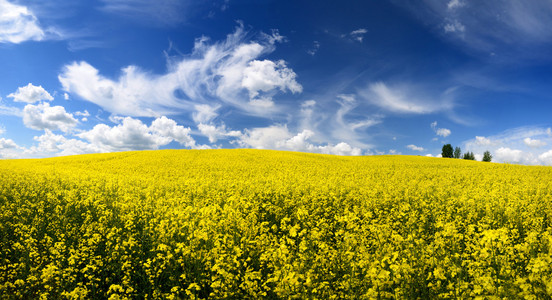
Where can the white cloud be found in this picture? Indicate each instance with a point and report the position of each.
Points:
(534, 143)
(135, 93)
(314, 49)
(30, 94)
(519, 145)
(308, 103)
(481, 140)
(264, 138)
(214, 133)
(348, 103)
(205, 113)
(549, 131)
(279, 138)
(364, 123)
(10, 111)
(546, 158)
(453, 4)
(60, 145)
(166, 127)
(7, 144)
(226, 72)
(262, 103)
(9, 149)
(43, 116)
(132, 134)
(358, 34)
(415, 148)
(506, 28)
(84, 113)
(400, 99)
(18, 24)
(444, 132)
(454, 26)
(306, 114)
(157, 13)
(267, 75)
(65, 96)
(346, 124)
(508, 155)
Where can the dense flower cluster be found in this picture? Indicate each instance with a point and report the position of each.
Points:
(267, 224)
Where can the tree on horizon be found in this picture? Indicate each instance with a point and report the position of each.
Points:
(447, 151)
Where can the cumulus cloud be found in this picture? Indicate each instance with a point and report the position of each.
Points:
(9, 149)
(533, 143)
(444, 132)
(415, 148)
(228, 72)
(83, 114)
(30, 94)
(43, 116)
(267, 75)
(279, 138)
(129, 134)
(132, 134)
(522, 145)
(7, 144)
(400, 99)
(546, 158)
(508, 155)
(50, 143)
(168, 128)
(18, 24)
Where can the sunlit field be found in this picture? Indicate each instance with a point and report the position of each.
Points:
(266, 224)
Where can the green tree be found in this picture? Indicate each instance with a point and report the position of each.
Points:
(469, 156)
(457, 152)
(487, 156)
(447, 151)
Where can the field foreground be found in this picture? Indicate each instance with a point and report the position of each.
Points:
(268, 224)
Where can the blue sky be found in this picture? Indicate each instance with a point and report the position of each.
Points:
(338, 77)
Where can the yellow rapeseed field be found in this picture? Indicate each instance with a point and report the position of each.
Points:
(232, 224)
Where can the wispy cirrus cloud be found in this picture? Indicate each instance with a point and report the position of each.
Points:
(501, 27)
(156, 13)
(229, 73)
(404, 98)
